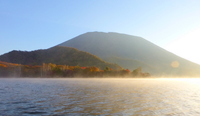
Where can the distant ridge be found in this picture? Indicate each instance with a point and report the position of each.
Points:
(132, 52)
(56, 55)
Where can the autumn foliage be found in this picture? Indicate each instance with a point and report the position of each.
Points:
(53, 70)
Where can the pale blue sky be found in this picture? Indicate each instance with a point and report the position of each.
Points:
(40, 24)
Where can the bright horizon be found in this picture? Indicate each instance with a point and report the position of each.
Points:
(30, 25)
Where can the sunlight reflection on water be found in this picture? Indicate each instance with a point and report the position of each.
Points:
(100, 96)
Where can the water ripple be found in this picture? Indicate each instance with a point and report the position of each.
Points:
(142, 97)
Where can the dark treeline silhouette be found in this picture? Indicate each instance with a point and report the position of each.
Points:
(53, 70)
(56, 55)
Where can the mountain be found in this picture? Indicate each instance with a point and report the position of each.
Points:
(56, 55)
(133, 52)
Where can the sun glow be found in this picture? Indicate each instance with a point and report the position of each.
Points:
(175, 64)
(187, 46)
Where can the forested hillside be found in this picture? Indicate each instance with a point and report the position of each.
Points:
(57, 55)
(53, 70)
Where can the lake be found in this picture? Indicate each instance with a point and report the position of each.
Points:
(98, 96)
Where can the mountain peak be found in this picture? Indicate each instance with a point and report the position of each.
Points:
(131, 52)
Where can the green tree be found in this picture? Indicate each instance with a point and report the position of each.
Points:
(137, 72)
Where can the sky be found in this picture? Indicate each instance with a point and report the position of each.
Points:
(40, 24)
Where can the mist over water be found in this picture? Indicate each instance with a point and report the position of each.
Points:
(80, 96)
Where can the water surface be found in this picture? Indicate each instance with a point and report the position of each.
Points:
(155, 97)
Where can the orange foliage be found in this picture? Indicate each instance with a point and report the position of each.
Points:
(36, 66)
(71, 67)
(9, 64)
(83, 67)
(127, 70)
(3, 65)
(94, 69)
(66, 71)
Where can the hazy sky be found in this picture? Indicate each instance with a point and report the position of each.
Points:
(40, 24)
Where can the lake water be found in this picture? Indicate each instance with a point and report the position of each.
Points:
(74, 97)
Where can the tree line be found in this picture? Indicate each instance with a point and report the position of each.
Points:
(53, 70)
